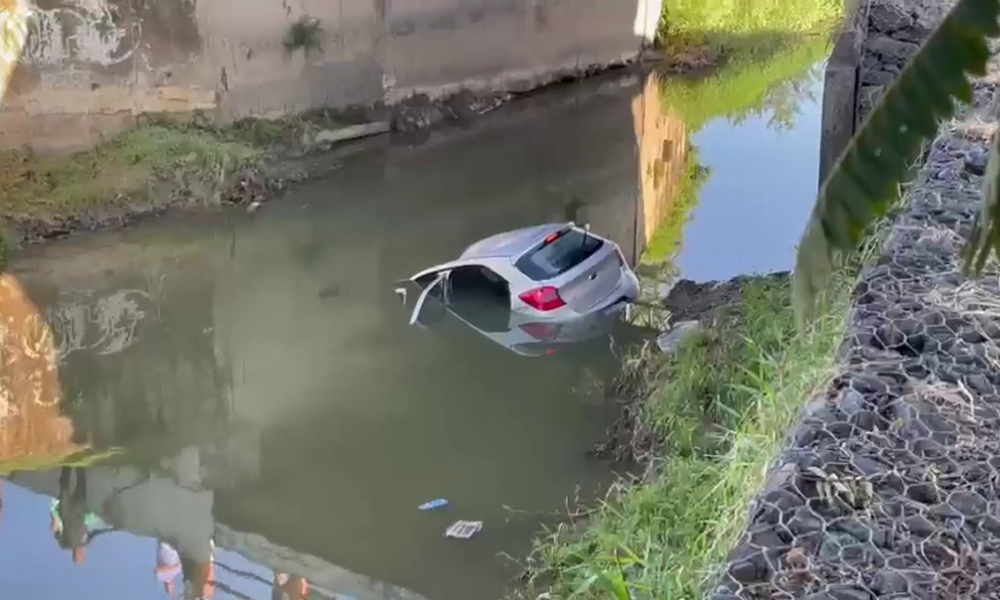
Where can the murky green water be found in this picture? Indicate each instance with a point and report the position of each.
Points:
(274, 412)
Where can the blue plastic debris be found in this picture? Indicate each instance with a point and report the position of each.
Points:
(438, 503)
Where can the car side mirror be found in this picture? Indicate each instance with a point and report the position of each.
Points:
(401, 292)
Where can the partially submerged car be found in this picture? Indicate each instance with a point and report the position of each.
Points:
(530, 289)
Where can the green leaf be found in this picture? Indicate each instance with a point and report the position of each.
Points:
(616, 585)
(859, 188)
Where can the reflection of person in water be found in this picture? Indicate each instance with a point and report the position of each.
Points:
(168, 566)
(72, 524)
(199, 577)
(289, 587)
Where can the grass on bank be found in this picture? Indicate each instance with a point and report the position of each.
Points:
(725, 26)
(118, 172)
(720, 409)
(82, 459)
(747, 84)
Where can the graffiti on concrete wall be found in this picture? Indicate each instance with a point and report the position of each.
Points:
(89, 32)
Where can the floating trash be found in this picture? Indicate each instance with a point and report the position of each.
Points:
(438, 503)
(464, 530)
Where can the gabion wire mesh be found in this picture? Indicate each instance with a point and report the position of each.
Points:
(890, 485)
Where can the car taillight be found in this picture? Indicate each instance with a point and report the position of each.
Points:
(543, 332)
(621, 257)
(545, 298)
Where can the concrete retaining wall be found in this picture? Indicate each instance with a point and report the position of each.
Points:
(88, 67)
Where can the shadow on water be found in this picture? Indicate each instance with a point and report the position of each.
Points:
(260, 378)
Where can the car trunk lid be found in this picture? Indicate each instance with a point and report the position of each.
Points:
(593, 280)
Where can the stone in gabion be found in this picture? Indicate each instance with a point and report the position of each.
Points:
(891, 487)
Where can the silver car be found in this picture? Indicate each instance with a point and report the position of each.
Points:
(530, 289)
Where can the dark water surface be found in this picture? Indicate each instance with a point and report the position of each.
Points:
(272, 411)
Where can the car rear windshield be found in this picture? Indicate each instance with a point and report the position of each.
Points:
(556, 257)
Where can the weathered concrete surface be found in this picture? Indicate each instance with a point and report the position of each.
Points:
(888, 488)
(102, 62)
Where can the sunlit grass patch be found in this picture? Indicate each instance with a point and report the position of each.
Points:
(118, 172)
(83, 458)
(724, 25)
(750, 82)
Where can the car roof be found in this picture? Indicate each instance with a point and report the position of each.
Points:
(511, 243)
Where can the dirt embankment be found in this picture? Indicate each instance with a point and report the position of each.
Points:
(714, 305)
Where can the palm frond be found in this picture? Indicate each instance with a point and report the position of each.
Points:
(859, 188)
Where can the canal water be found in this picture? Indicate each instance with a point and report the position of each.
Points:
(246, 390)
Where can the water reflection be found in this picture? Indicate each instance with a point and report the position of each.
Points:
(280, 422)
(32, 426)
(759, 202)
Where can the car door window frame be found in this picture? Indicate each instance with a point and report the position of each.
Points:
(446, 270)
(440, 279)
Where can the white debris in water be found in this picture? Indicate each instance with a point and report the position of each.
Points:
(464, 530)
(672, 339)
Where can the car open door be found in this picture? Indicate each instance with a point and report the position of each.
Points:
(437, 284)
(432, 302)
(447, 266)
(431, 288)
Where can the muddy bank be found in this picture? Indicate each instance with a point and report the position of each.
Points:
(696, 310)
(691, 301)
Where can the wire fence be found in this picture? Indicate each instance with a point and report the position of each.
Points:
(890, 485)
